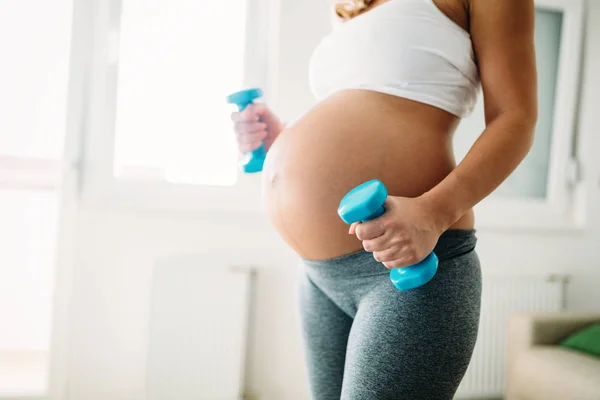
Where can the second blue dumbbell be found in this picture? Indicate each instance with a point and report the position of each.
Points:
(254, 160)
(364, 203)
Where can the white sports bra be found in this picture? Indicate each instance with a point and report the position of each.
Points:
(406, 48)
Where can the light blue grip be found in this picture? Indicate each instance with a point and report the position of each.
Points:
(365, 202)
(254, 160)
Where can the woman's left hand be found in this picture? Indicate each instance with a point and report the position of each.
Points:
(404, 235)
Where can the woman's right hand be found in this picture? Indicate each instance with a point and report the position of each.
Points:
(254, 126)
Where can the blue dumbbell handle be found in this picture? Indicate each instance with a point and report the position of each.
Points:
(378, 213)
(260, 152)
(255, 159)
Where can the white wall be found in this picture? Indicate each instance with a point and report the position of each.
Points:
(112, 293)
(26, 233)
(117, 249)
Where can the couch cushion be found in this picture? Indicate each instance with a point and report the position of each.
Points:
(554, 373)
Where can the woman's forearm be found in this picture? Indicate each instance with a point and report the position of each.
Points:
(492, 158)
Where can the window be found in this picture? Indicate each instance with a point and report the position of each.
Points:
(34, 76)
(159, 121)
(540, 193)
(177, 60)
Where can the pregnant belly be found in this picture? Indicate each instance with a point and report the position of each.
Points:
(343, 141)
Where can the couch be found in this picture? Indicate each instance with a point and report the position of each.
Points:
(537, 368)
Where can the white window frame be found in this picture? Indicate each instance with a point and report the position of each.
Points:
(100, 188)
(561, 208)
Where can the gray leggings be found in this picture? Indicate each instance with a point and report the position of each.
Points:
(365, 340)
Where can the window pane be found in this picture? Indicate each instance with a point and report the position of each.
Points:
(531, 177)
(178, 59)
(35, 42)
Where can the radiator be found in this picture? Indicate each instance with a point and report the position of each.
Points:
(501, 297)
(198, 328)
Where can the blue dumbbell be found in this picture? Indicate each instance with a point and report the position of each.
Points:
(254, 160)
(364, 203)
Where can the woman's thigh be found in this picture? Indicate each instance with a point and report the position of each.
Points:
(415, 344)
(325, 330)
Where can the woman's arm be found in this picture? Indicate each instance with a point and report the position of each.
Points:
(503, 38)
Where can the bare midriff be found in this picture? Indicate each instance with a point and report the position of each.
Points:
(349, 138)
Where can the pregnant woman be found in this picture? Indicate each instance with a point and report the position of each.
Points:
(392, 81)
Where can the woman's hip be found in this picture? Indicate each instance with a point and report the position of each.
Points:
(357, 280)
